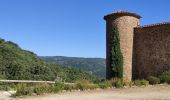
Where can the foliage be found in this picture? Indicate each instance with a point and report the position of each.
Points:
(166, 73)
(69, 87)
(4, 87)
(104, 85)
(85, 85)
(38, 89)
(58, 87)
(94, 66)
(128, 83)
(141, 83)
(116, 55)
(165, 77)
(41, 88)
(18, 64)
(23, 89)
(82, 85)
(1, 40)
(118, 83)
(153, 80)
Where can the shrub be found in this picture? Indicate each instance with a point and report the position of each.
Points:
(104, 85)
(118, 83)
(131, 84)
(41, 88)
(166, 73)
(23, 89)
(69, 87)
(57, 87)
(2, 40)
(165, 77)
(4, 87)
(141, 82)
(85, 84)
(12, 85)
(127, 83)
(98, 81)
(92, 86)
(81, 86)
(153, 80)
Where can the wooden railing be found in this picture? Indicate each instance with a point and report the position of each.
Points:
(29, 81)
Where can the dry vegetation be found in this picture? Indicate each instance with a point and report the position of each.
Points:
(156, 92)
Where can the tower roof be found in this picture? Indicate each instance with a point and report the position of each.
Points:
(122, 13)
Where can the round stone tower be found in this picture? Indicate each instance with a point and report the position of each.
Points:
(125, 23)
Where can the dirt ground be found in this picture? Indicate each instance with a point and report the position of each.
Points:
(158, 92)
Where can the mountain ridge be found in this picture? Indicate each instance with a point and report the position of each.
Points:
(95, 66)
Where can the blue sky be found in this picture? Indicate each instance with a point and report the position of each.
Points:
(69, 27)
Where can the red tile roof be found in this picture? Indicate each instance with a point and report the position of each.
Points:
(121, 12)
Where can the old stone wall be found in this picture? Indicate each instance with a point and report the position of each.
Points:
(151, 50)
(125, 26)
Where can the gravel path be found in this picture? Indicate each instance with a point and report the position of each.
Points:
(158, 92)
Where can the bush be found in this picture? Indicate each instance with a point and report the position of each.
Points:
(57, 87)
(166, 73)
(153, 80)
(4, 87)
(93, 86)
(98, 81)
(69, 87)
(23, 89)
(2, 40)
(81, 86)
(141, 82)
(104, 85)
(41, 88)
(127, 83)
(85, 85)
(165, 77)
(118, 83)
(7, 86)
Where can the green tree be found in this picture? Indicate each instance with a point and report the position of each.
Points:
(16, 63)
(116, 55)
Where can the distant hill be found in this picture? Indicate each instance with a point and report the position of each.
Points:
(19, 64)
(96, 66)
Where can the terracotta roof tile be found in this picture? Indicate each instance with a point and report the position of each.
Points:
(121, 12)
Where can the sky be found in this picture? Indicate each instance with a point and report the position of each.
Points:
(70, 27)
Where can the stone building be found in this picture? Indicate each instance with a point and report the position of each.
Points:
(145, 49)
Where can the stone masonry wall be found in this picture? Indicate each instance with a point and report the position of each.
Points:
(151, 50)
(125, 26)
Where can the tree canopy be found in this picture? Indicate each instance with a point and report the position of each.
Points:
(19, 64)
